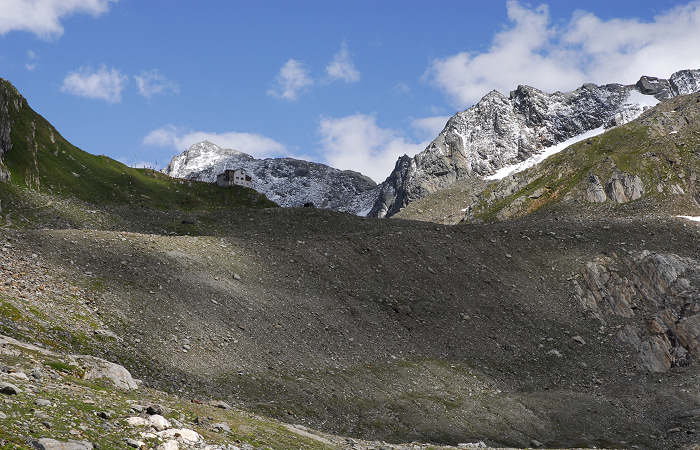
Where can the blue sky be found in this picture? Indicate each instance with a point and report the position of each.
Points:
(353, 84)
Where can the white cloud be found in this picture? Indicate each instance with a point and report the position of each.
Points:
(43, 17)
(178, 139)
(152, 83)
(357, 143)
(32, 58)
(342, 66)
(533, 51)
(292, 79)
(103, 84)
(430, 127)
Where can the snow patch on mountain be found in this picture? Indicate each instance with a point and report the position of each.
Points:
(546, 153)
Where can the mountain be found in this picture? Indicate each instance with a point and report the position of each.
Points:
(500, 131)
(650, 165)
(286, 181)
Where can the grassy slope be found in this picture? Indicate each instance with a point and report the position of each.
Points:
(42, 160)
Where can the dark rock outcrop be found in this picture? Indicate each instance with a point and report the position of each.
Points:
(623, 188)
(654, 301)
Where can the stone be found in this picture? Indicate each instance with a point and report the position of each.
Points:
(137, 422)
(9, 389)
(594, 190)
(220, 404)
(42, 402)
(221, 427)
(169, 445)
(155, 409)
(579, 339)
(158, 422)
(181, 434)
(623, 188)
(97, 368)
(135, 443)
(53, 444)
(555, 352)
(535, 443)
(19, 375)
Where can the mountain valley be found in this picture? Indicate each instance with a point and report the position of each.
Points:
(554, 311)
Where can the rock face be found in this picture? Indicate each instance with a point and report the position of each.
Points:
(663, 290)
(288, 182)
(594, 190)
(499, 131)
(6, 91)
(623, 188)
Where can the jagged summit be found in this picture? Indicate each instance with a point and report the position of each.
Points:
(200, 156)
(290, 182)
(499, 131)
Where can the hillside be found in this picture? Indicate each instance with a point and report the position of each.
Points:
(36, 159)
(552, 329)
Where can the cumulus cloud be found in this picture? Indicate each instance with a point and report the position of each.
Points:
(531, 50)
(342, 66)
(357, 143)
(103, 84)
(292, 79)
(179, 139)
(32, 58)
(43, 17)
(152, 83)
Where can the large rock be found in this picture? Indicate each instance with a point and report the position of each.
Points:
(9, 389)
(623, 187)
(99, 369)
(594, 190)
(658, 293)
(53, 444)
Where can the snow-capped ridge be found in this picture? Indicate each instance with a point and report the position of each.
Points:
(502, 132)
(287, 181)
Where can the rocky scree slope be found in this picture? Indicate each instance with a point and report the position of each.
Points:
(287, 181)
(499, 131)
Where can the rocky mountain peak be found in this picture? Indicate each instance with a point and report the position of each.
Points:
(198, 157)
(287, 181)
(500, 131)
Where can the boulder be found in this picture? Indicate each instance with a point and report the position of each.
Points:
(9, 389)
(96, 369)
(623, 187)
(594, 190)
(53, 444)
